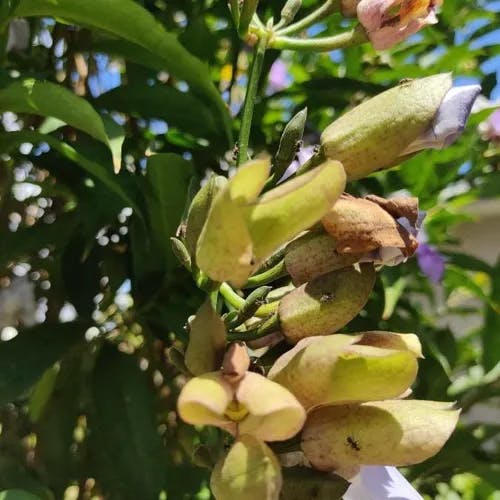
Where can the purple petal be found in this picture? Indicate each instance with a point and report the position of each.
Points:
(450, 119)
(278, 76)
(380, 483)
(494, 121)
(431, 262)
(302, 156)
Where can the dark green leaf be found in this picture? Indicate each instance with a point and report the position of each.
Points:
(124, 440)
(24, 359)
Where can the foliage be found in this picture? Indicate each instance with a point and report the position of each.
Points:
(157, 88)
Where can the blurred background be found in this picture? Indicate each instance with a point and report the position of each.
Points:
(91, 296)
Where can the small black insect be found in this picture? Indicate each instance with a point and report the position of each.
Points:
(353, 444)
(404, 81)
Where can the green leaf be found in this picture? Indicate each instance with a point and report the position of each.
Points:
(125, 443)
(142, 100)
(51, 100)
(128, 20)
(42, 392)
(392, 293)
(11, 140)
(24, 359)
(17, 495)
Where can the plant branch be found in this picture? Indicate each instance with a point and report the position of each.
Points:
(277, 271)
(253, 86)
(324, 44)
(329, 7)
(268, 326)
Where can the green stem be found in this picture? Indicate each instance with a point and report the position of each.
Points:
(265, 328)
(231, 297)
(253, 86)
(278, 271)
(329, 7)
(234, 300)
(325, 44)
(235, 11)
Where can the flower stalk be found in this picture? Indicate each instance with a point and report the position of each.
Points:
(322, 44)
(253, 87)
(329, 7)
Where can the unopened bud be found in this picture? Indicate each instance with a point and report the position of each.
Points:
(375, 134)
(289, 143)
(181, 253)
(393, 432)
(313, 255)
(289, 10)
(327, 303)
(198, 211)
(236, 362)
(249, 471)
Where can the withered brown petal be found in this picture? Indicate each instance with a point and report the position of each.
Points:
(360, 225)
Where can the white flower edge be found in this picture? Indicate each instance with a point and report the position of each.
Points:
(380, 483)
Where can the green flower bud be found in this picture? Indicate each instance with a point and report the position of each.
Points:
(290, 10)
(327, 303)
(181, 252)
(394, 432)
(348, 368)
(207, 340)
(198, 211)
(249, 471)
(289, 143)
(315, 254)
(243, 229)
(375, 134)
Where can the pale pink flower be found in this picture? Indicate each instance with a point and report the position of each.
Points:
(388, 22)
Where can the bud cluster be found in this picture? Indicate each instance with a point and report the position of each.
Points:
(311, 253)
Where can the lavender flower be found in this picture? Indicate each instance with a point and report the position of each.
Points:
(431, 262)
(450, 120)
(380, 483)
(278, 76)
(490, 129)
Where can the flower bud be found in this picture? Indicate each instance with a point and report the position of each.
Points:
(327, 303)
(181, 253)
(348, 368)
(198, 211)
(207, 340)
(315, 254)
(249, 471)
(375, 134)
(243, 229)
(290, 10)
(289, 143)
(397, 432)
